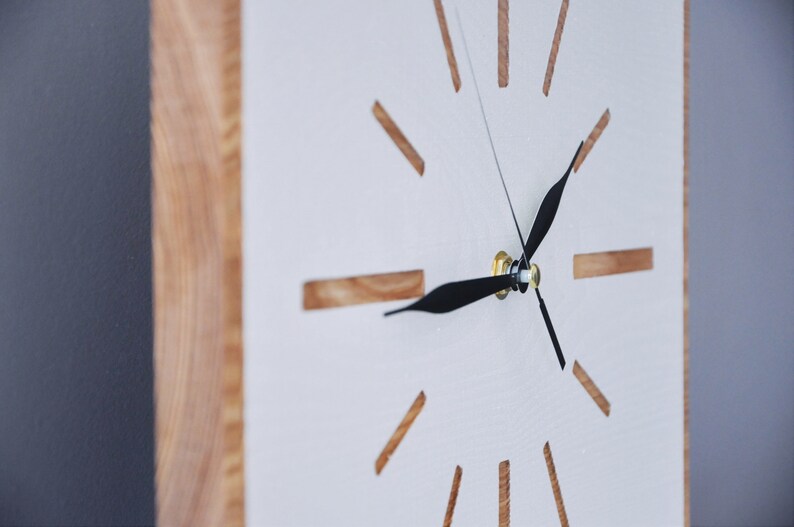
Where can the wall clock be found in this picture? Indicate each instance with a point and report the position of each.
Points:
(440, 162)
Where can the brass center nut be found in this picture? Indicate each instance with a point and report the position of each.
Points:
(501, 265)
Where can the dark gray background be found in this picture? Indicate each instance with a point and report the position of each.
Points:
(76, 415)
(76, 419)
(741, 263)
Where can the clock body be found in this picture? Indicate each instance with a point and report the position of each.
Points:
(353, 418)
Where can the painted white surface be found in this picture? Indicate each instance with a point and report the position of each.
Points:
(325, 188)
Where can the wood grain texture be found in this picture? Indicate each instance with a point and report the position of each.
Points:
(555, 485)
(686, 264)
(398, 137)
(612, 262)
(453, 63)
(591, 388)
(453, 496)
(504, 493)
(555, 47)
(197, 262)
(503, 43)
(323, 294)
(399, 434)
(598, 129)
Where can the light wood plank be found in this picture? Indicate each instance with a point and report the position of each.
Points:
(453, 496)
(503, 18)
(555, 47)
(612, 262)
(399, 434)
(323, 294)
(555, 485)
(598, 129)
(590, 387)
(197, 262)
(453, 63)
(398, 137)
(687, 29)
(504, 493)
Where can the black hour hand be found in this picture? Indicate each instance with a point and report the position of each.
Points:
(454, 295)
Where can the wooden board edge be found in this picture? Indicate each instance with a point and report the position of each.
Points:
(197, 274)
(687, 29)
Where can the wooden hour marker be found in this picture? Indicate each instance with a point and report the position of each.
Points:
(399, 139)
(555, 47)
(322, 294)
(612, 262)
(591, 388)
(504, 493)
(555, 485)
(453, 64)
(399, 434)
(453, 496)
(504, 42)
(591, 139)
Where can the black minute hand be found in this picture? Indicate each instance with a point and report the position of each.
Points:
(547, 211)
(454, 295)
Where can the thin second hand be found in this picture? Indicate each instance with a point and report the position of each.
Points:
(490, 139)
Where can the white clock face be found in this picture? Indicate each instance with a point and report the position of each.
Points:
(353, 418)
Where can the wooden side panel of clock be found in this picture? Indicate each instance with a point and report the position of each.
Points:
(197, 261)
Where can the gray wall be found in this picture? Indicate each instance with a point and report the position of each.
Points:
(75, 288)
(741, 261)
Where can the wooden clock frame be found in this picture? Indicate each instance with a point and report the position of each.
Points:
(197, 248)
